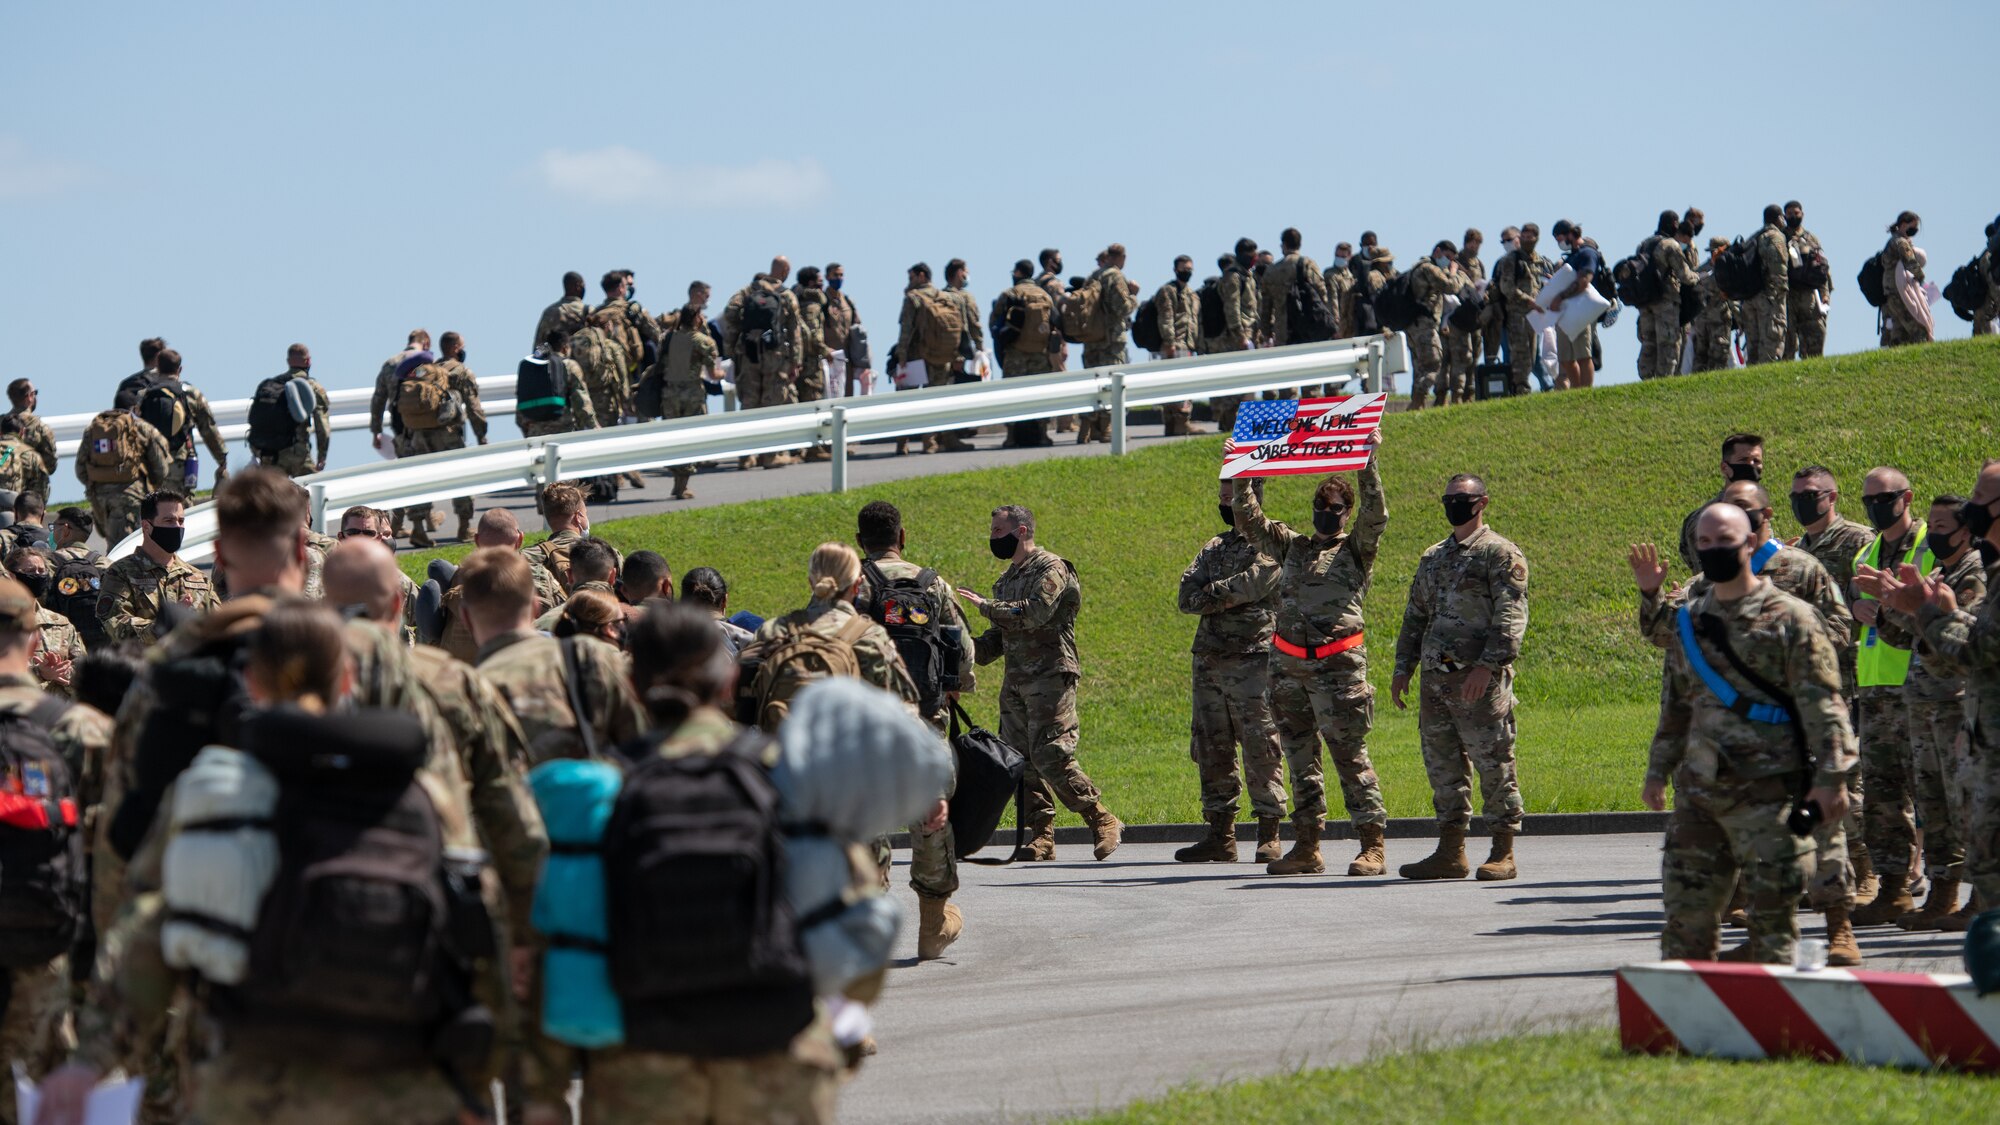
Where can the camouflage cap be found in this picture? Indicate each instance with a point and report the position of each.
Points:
(18, 608)
(1718, 244)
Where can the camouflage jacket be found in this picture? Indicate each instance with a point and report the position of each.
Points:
(1274, 291)
(1836, 547)
(1053, 286)
(1468, 606)
(527, 670)
(38, 436)
(880, 663)
(1718, 312)
(1238, 291)
(969, 309)
(1033, 611)
(1935, 677)
(59, 637)
(1801, 246)
(1340, 298)
(1431, 285)
(135, 588)
(910, 344)
(1324, 582)
(1791, 570)
(379, 403)
(465, 385)
(1781, 639)
(1179, 310)
(567, 314)
(1115, 303)
(318, 545)
(1669, 260)
(1233, 587)
(634, 330)
(1969, 637)
(579, 410)
(841, 318)
(812, 322)
(1902, 252)
(1518, 280)
(896, 567)
(1776, 260)
(790, 346)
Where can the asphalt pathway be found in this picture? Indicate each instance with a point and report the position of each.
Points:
(1081, 985)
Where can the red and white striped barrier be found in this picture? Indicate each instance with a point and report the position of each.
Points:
(1738, 1011)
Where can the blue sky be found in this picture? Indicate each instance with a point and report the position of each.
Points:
(236, 177)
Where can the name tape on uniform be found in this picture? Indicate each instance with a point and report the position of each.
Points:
(1314, 435)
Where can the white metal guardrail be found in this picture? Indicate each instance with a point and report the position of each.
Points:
(534, 462)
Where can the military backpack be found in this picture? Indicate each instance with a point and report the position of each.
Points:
(164, 406)
(1738, 270)
(14, 454)
(1213, 322)
(272, 427)
(540, 394)
(1082, 315)
(1968, 290)
(775, 672)
(1396, 306)
(908, 610)
(1308, 319)
(113, 448)
(42, 884)
(424, 400)
(1637, 278)
(1146, 328)
(1025, 321)
(763, 313)
(940, 324)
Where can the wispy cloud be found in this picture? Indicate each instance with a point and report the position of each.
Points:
(25, 174)
(620, 176)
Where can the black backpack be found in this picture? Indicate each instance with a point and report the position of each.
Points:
(908, 611)
(165, 407)
(1739, 272)
(1637, 279)
(1968, 290)
(1809, 275)
(1395, 308)
(1692, 302)
(209, 696)
(536, 396)
(1308, 319)
(990, 773)
(271, 425)
(73, 592)
(366, 943)
(1212, 321)
(1146, 328)
(42, 883)
(1367, 319)
(1465, 318)
(703, 948)
(1600, 280)
(763, 312)
(1871, 282)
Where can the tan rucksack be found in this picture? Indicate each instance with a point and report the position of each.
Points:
(1082, 322)
(1029, 320)
(113, 450)
(14, 464)
(794, 660)
(940, 324)
(616, 324)
(424, 400)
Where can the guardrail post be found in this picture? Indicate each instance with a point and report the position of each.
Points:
(1372, 382)
(839, 449)
(316, 494)
(551, 464)
(1117, 413)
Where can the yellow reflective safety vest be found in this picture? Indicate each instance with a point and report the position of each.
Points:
(1878, 663)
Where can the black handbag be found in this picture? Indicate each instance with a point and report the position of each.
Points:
(990, 773)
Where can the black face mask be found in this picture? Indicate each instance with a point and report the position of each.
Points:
(1327, 521)
(1794, 224)
(1744, 470)
(1941, 544)
(37, 584)
(1883, 510)
(1721, 564)
(1228, 514)
(168, 539)
(1976, 518)
(1459, 510)
(1756, 523)
(1806, 508)
(1183, 276)
(1988, 553)
(1006, 546)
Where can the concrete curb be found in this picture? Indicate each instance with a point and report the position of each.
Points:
(1400, 828)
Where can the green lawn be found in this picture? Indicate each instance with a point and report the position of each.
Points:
(1575, 479)
(1580, 1076)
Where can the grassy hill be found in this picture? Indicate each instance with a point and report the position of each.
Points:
(1575, 479)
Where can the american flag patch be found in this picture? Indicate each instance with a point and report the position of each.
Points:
(1316, 435)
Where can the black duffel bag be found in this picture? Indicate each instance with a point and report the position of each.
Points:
(990, 773)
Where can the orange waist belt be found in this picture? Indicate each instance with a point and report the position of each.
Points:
(1321, 652)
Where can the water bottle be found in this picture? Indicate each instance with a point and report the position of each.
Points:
(191, 473)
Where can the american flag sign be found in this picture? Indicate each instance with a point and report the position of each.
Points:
(1314, 435)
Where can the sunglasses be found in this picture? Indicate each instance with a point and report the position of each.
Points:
(359, 532)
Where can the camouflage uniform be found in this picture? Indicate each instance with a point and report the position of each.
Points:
(579, 412)
(296, 459)
(1323, 587)
(1805, 321)
(1660, 330)
(1239, 327)
(838, 324)
(1115, 304)
(686, 360)
(201, 420)
(317, 546)
(1835, 547)
(1764, 315)
(527, 670)
(1969, 637)
(635, 332)
(1468, 608)
(567, 314)
(35, 1001)
(1233, 586)
(114, 504)
(1340, 297)
(1052, 284)
(812, 337)
(1899, 326)
(59, 637)
(1735, 780)
(1934, 696)
(1430, 286)
(1517, 281)
(1178, 308)
(552, 554)
(136, 589)
(603, 361)
(1273, 291)
(1882, 723)
(456, 639)
(764, 375)
(1033, 611)
(1711, 327)
(1463, 349)
(38, 437)
(20, 464)
(933, 858)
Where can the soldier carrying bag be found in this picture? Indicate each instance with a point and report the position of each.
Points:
(775, 673)
(909, 612)
(112, 449)
(1805, 816)
(42, 884)
(990, 773)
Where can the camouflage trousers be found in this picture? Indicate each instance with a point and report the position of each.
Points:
(1982, 834)
(416, 443)
(1805, 325)
(550, 428)
(1718, 830)
(1898, 326)
(1310, 706)
(1888, 822)
(115, 508)
(1937, 783)
(1660, 338)
(1763, 320)
(295, 460)
(1522, 350)
(766, 382)
(1427, 352)
(34, 1014)
(237, 1089)
(1232, 709)
(1098, 423)
(1461, 350)
(610, 397)
(1712, 351)
(687, 400)
(795, 1087)
(1460, 738)
(933, 855)
(812, 381)
(1034, 431)
(1038, 718)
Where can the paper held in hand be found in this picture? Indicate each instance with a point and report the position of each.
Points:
(1315, 435)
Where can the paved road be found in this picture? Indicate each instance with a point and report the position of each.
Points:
(1084, 985)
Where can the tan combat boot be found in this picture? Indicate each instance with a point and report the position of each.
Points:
(1268, 847)
(1942, 902)
(1448, 862)
(938, 925)
(1304, 858)
(1742, 953)
(1866, 883)
(1219, 846)
(1891, 903)
(1961, 920)
(778, 460)
(1737, 913)
(1108, 829)
(953, 443)
(681, 485)
(1499, 863)
(396, 524)
(420, 531)
(1369, 862)
(819, 453)
(1842, 951)
(464, 530)
(1173, 422)
(1040, 847)
(930, 443)
(902, 446)
(633, 479)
